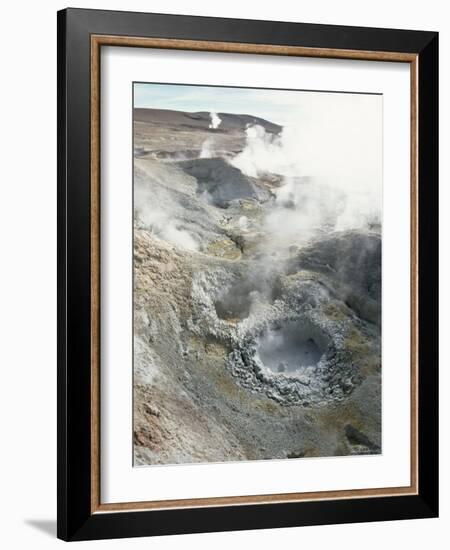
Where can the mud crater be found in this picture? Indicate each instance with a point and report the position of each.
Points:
(290, 360)
(291, 348)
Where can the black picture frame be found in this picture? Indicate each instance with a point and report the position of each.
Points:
(76, 521)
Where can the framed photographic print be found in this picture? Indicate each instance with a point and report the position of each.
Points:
(247, 254)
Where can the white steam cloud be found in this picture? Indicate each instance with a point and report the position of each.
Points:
(264, 153)
(207, 150)
(330, 160)
(162, 215)
(215, 120)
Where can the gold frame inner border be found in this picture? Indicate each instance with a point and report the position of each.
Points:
(97, 41)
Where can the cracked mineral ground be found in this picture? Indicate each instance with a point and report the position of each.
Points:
(257, 331)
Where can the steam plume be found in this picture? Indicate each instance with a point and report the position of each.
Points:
(215, 120)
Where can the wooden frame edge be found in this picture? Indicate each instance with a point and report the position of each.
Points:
(248, 500)
(237, 47)
(231, 47)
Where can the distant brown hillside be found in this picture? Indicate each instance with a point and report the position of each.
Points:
(201, 120)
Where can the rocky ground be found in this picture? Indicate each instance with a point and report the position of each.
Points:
(249, 342)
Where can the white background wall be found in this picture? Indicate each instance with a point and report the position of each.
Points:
(28, 271)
